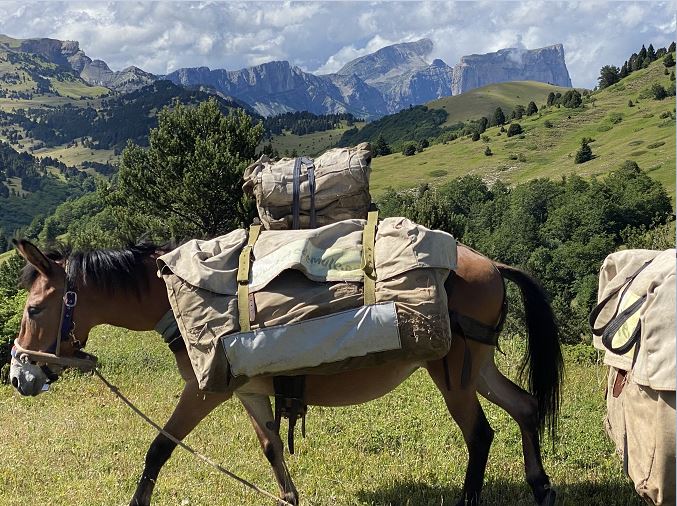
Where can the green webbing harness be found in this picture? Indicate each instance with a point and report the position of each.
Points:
(368, 239)
(245, 306)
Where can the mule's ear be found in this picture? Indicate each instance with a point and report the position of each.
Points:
(33, 256)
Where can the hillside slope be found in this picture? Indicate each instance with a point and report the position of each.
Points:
(644, 133)
(484, 101)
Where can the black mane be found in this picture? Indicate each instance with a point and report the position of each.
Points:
(108, 270)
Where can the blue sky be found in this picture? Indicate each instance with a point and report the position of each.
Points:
(320, 37)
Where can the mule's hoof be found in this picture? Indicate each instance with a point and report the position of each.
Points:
(288, 498)
(550, 498)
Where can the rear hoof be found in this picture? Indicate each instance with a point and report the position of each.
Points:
(550, 498)
(290, 498)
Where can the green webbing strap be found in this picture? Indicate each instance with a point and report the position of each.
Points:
(368, 238)
(243, 278)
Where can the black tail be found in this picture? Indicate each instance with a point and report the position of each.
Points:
(543, 359)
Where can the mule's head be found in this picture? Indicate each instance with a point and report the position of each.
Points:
(48, 339)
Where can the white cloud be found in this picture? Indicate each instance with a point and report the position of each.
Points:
(322, 36)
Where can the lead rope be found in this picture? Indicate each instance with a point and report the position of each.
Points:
(183, 445)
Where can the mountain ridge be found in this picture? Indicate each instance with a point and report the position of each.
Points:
(373, 85)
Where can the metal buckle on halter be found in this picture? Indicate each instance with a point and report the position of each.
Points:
(70, 299)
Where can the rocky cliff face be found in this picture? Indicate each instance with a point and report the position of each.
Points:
(277, 87)
(68, 54)
(545, 65)
(402, 74)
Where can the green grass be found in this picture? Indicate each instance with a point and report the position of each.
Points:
(78, 444)
(310, 144)
(549, 152)
(483, 101)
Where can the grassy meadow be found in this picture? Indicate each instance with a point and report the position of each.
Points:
(78, 444)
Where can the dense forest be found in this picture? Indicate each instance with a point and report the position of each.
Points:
(117, 120)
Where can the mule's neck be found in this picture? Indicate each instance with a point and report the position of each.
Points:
(131, 310)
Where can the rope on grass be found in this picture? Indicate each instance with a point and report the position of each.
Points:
(186, 447)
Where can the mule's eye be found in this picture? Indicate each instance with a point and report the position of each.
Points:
(34, 310)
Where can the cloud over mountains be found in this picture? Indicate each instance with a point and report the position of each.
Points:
(321, 37)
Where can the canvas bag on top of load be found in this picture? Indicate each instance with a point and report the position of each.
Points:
(303, 275)
(636, 319)
(330, 188)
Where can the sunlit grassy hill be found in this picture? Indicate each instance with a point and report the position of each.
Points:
(644, 133)
(483, 101)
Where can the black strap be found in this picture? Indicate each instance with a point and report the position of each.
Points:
(296, 194)
(599, 307)
(290, 404)
(311, 188)
(615, 324)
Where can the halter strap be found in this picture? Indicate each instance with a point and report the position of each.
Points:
(81, 360)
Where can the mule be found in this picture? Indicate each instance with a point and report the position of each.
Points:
(69, 296)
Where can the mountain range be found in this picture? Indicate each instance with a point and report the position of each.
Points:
(371, 86)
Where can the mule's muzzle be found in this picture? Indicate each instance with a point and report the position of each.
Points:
(29, 379)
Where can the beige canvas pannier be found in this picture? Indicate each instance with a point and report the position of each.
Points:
(634, 324)
(306, 300)
(303, 193)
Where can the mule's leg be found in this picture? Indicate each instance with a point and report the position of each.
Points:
(261, 415)
(523, 408)
(194, 405)
(467, 412)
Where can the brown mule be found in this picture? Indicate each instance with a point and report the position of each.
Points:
(120, 288)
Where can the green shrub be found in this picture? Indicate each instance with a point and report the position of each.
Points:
(409, 150)
(655, 145)
(522, 157)
(666, 114)
(512, 156)
(548, 124)
(658, 92)
(615, 117)
(604, 128)
(635, 143)
(487, 151)
(475, 136)
(514, 129)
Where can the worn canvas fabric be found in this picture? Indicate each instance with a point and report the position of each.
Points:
(340, 190)
(641, 381)
(310, 274)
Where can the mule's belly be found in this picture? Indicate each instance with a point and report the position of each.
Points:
(344, 389)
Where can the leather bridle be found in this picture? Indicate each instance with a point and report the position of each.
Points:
(52, 357)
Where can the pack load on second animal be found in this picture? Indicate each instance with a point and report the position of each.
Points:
(344, 296)
(634, 324)
(300, 193)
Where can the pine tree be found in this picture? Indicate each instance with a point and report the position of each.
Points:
(624, 70)
(584, 153)
(499, 117)
(189, 179)
(551, 99)
(531, 108)
(668, 60)
(651, 52)
(642, 53)
(608, 75)
(671, 49)
(633, 63)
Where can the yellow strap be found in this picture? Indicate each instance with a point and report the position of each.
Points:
(368, 239)
(243, 278)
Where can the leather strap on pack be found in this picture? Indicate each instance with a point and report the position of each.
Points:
(243, 279)
(296, 195)
(598, 331)
(368, 239)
